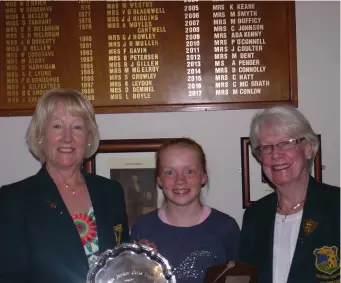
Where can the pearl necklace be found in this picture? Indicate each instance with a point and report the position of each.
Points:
(287, 213)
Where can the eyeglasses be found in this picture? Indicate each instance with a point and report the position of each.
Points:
(284, 145)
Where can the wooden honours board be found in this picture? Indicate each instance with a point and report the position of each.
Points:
(149, 56)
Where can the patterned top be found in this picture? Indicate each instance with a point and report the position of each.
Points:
(191, 250)
(86, 226)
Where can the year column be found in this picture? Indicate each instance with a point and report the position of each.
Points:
(192, 41)
(85, 49)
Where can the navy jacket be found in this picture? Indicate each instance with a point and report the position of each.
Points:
(318, 240)
(39, 242)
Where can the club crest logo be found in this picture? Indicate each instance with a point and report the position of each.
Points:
(327, 259)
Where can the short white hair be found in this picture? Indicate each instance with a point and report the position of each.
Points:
(283, 120)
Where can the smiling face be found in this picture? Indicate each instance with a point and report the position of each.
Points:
(181, 175)
(64, 140)
(284, 167)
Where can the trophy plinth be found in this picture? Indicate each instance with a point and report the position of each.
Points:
(231, 272)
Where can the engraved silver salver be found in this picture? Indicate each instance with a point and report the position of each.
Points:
(131, 263)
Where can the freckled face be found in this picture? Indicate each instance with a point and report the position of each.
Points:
(181, 175)
(284, 167)
(65, 139)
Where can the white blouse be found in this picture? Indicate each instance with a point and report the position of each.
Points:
(285, 239)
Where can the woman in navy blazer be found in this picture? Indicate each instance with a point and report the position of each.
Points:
(293, 234)
(53, 225)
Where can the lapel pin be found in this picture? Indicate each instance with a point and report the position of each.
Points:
(118, 233)
(309, 226)
(52, 205)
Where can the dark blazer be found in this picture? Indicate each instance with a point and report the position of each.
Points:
(320, 227)
(39, 242)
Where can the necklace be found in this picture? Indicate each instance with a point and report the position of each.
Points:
(71, 189)
(293, 208)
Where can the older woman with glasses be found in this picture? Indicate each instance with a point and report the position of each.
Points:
(293, 234)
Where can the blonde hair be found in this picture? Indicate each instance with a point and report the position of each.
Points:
(76, 104)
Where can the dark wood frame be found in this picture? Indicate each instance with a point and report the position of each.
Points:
(127, 145)
(197, 106)
(245, 155)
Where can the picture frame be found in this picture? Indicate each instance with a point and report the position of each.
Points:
(254, 183)
(131, 162)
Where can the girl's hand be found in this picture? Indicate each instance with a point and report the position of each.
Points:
(146, 243)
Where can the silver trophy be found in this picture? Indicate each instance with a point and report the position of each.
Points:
(131, 263)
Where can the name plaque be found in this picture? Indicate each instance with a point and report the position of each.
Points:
(149, 56)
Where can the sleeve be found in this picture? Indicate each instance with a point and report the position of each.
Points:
(233, 241)
(246, 241)
(14, 262)
(135, 234)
